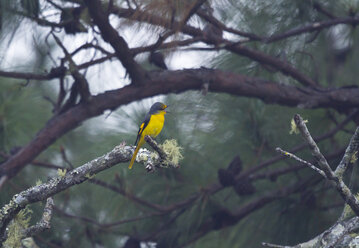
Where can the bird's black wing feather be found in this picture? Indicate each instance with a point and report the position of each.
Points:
(142, 127)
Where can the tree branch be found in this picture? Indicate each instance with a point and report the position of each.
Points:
(332, 237)
(232, 218)
(317, 6)
(306, 163)
(313, 146)
(349, 155)
(217, 23)
(44, 223)
(177, 82)
(338, 182)
(54, 73)
(109, 34)
(260, 57)
(154, 145)
(79, 175)
(279, 64)
(83, 85)
(106, 225)
(316, 26)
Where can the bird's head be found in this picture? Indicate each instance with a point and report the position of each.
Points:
(158, 108)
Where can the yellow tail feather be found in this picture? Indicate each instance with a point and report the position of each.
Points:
(140, 143)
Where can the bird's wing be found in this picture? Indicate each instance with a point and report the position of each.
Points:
(142, 127)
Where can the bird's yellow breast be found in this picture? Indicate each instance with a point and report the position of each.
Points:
(155, 125)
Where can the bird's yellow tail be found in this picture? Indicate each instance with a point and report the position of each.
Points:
(140, 143)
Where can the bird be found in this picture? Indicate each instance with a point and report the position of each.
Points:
(151, 126)
(158, 60)
(213, 33)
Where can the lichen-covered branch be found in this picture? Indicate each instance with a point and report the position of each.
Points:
(119, 154)
(338, 182)
(44, 223)
(154, 145)
(306, 163)
(313, 146)
(169, 153)
(349, 155)
(338, 235)
(182, 80)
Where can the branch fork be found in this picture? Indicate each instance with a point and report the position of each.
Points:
(336, 177)
(150, 164)
(334, 235)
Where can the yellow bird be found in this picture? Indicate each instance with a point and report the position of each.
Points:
(151, 126)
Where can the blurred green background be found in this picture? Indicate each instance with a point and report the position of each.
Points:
(211, 128)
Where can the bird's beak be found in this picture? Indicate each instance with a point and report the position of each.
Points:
(166, 109)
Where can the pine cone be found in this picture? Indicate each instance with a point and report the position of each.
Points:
(225, 178)
(244, 187)
(235, 166)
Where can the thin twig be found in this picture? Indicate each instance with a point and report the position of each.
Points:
(273, 245)
(306, 163)
(323, 163)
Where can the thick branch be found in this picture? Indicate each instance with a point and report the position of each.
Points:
(120, 46)
(176, 82)
(260, 57)
(279, 64)
(194, 8)
(79, 175)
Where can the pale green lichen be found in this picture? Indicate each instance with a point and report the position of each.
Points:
(293, 127)
(338, 230)
(16, 228)
(348, 212)
(11, 205)
(173, 152)
(61, 172)
(143, 157)
(38, 182)
(154, 156)
(354, 243)
(89, 176)
(354, 157)
(29, 243)
(353, 235)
